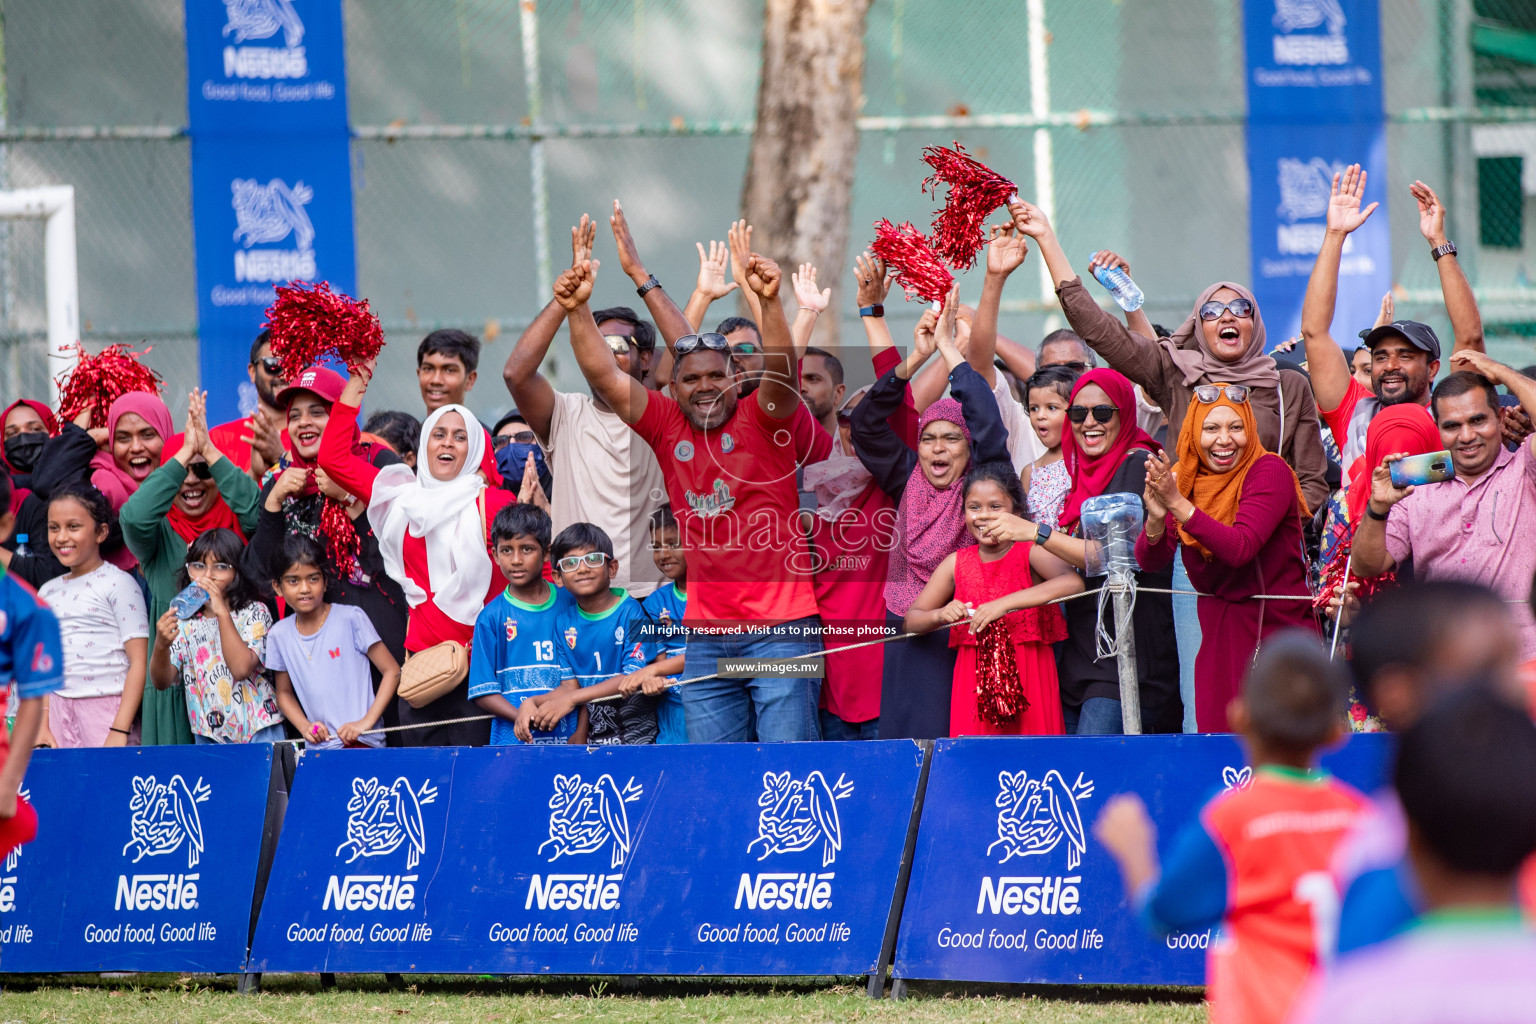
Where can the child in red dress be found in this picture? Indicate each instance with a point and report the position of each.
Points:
(1002, 586)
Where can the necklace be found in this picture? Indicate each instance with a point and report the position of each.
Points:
(309, 643)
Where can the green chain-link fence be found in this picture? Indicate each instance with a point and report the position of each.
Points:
(652, 101)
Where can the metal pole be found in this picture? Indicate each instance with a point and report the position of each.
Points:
(529, 22)
(1125, 658)
(1040, 106)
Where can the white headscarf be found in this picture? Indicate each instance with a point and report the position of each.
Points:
(446, 514)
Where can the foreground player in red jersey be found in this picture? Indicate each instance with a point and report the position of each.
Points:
(1256, 862)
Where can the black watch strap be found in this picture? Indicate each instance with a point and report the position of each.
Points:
(650, 283)
(1380, 517)
(1043, 533)
(876, 310)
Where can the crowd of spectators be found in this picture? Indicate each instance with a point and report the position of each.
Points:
(722, 540)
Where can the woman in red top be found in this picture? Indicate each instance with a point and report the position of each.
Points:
(432, 526)
(1003, 585)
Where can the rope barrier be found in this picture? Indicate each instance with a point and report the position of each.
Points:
(1103, 590)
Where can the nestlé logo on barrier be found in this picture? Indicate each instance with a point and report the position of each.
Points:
(381, 820)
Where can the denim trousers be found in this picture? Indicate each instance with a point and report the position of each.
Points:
(834, 728)
(1098, 716)
(768, 709)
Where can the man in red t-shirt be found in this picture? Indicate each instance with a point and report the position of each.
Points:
(256, 442)
(729, 467)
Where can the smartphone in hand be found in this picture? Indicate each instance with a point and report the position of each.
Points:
(1416, 470)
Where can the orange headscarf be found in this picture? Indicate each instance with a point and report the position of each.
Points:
(1218, 494)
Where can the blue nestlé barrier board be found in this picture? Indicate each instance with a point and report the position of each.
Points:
(726, 859)
(145, 860)
(1008, 883)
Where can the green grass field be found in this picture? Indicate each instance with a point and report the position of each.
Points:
(168, 999)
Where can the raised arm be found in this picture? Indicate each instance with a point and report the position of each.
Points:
(740, 238)
(623, 394)
(778, 394)
(1005, 254)
(351, 472)
(669, 319)
(812, 304)
(1326, 362)
(714, 282)
(1139, 358)
(1136, 320)
(1466, 321)
(531, 392)
(1519, 385)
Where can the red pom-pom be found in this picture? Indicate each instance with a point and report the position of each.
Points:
(975, 190)
(999, 694)
(98, 381)
(918, 268)
(336, 530)
(311, 321)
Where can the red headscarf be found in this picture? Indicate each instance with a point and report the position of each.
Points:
(1397, 428)
(1091, 474)
(19, 494)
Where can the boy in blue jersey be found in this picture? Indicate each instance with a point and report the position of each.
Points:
(664, 609)
(599, 643)
(31, 656)
(513, 656)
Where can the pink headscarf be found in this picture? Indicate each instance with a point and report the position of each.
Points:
(110, 478)
(930, 523)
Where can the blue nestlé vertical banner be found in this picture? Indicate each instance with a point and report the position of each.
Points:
(271, 178)
(1314, 107)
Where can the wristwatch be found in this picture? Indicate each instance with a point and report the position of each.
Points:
(650, 283)
(1448, 249)
(1043, 534)
(1380, 517)
(876, 310)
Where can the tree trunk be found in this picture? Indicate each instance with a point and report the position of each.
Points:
(800, 175)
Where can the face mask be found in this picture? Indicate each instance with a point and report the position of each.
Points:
(511, 459)
(22, 450)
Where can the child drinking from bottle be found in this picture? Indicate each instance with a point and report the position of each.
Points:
(320, 656)
(104, 623)
(216, 651)
(1002, 585)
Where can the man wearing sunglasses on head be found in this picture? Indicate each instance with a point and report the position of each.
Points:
(256, 442)
(1405, 354)
(602, 472)
(1222, 341)
(730, 469)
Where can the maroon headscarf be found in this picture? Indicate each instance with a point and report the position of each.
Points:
(111, 479)
(19, 494)
(1091, 474)
(930, 523)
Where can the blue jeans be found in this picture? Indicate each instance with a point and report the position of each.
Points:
(1098, 716)
(726, 710)
(271, 734)
(834, 728)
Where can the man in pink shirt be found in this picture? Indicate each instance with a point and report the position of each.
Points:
(1478, 526)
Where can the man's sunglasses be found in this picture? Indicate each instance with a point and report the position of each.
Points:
(570, 563)
(273, 366)
(1100, 413)
(500, 441)
(1208, 393)
(1076, 366)
(1238, 307)
(201, 470)
(747, 348)
(693, 342)
(620, 343)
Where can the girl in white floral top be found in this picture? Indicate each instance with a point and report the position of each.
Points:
(1046, 481)
(218, 653)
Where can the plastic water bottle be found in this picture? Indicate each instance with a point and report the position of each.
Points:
(1120, 286)
(21, 545)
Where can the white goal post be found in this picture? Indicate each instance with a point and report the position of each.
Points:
(55, 206)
